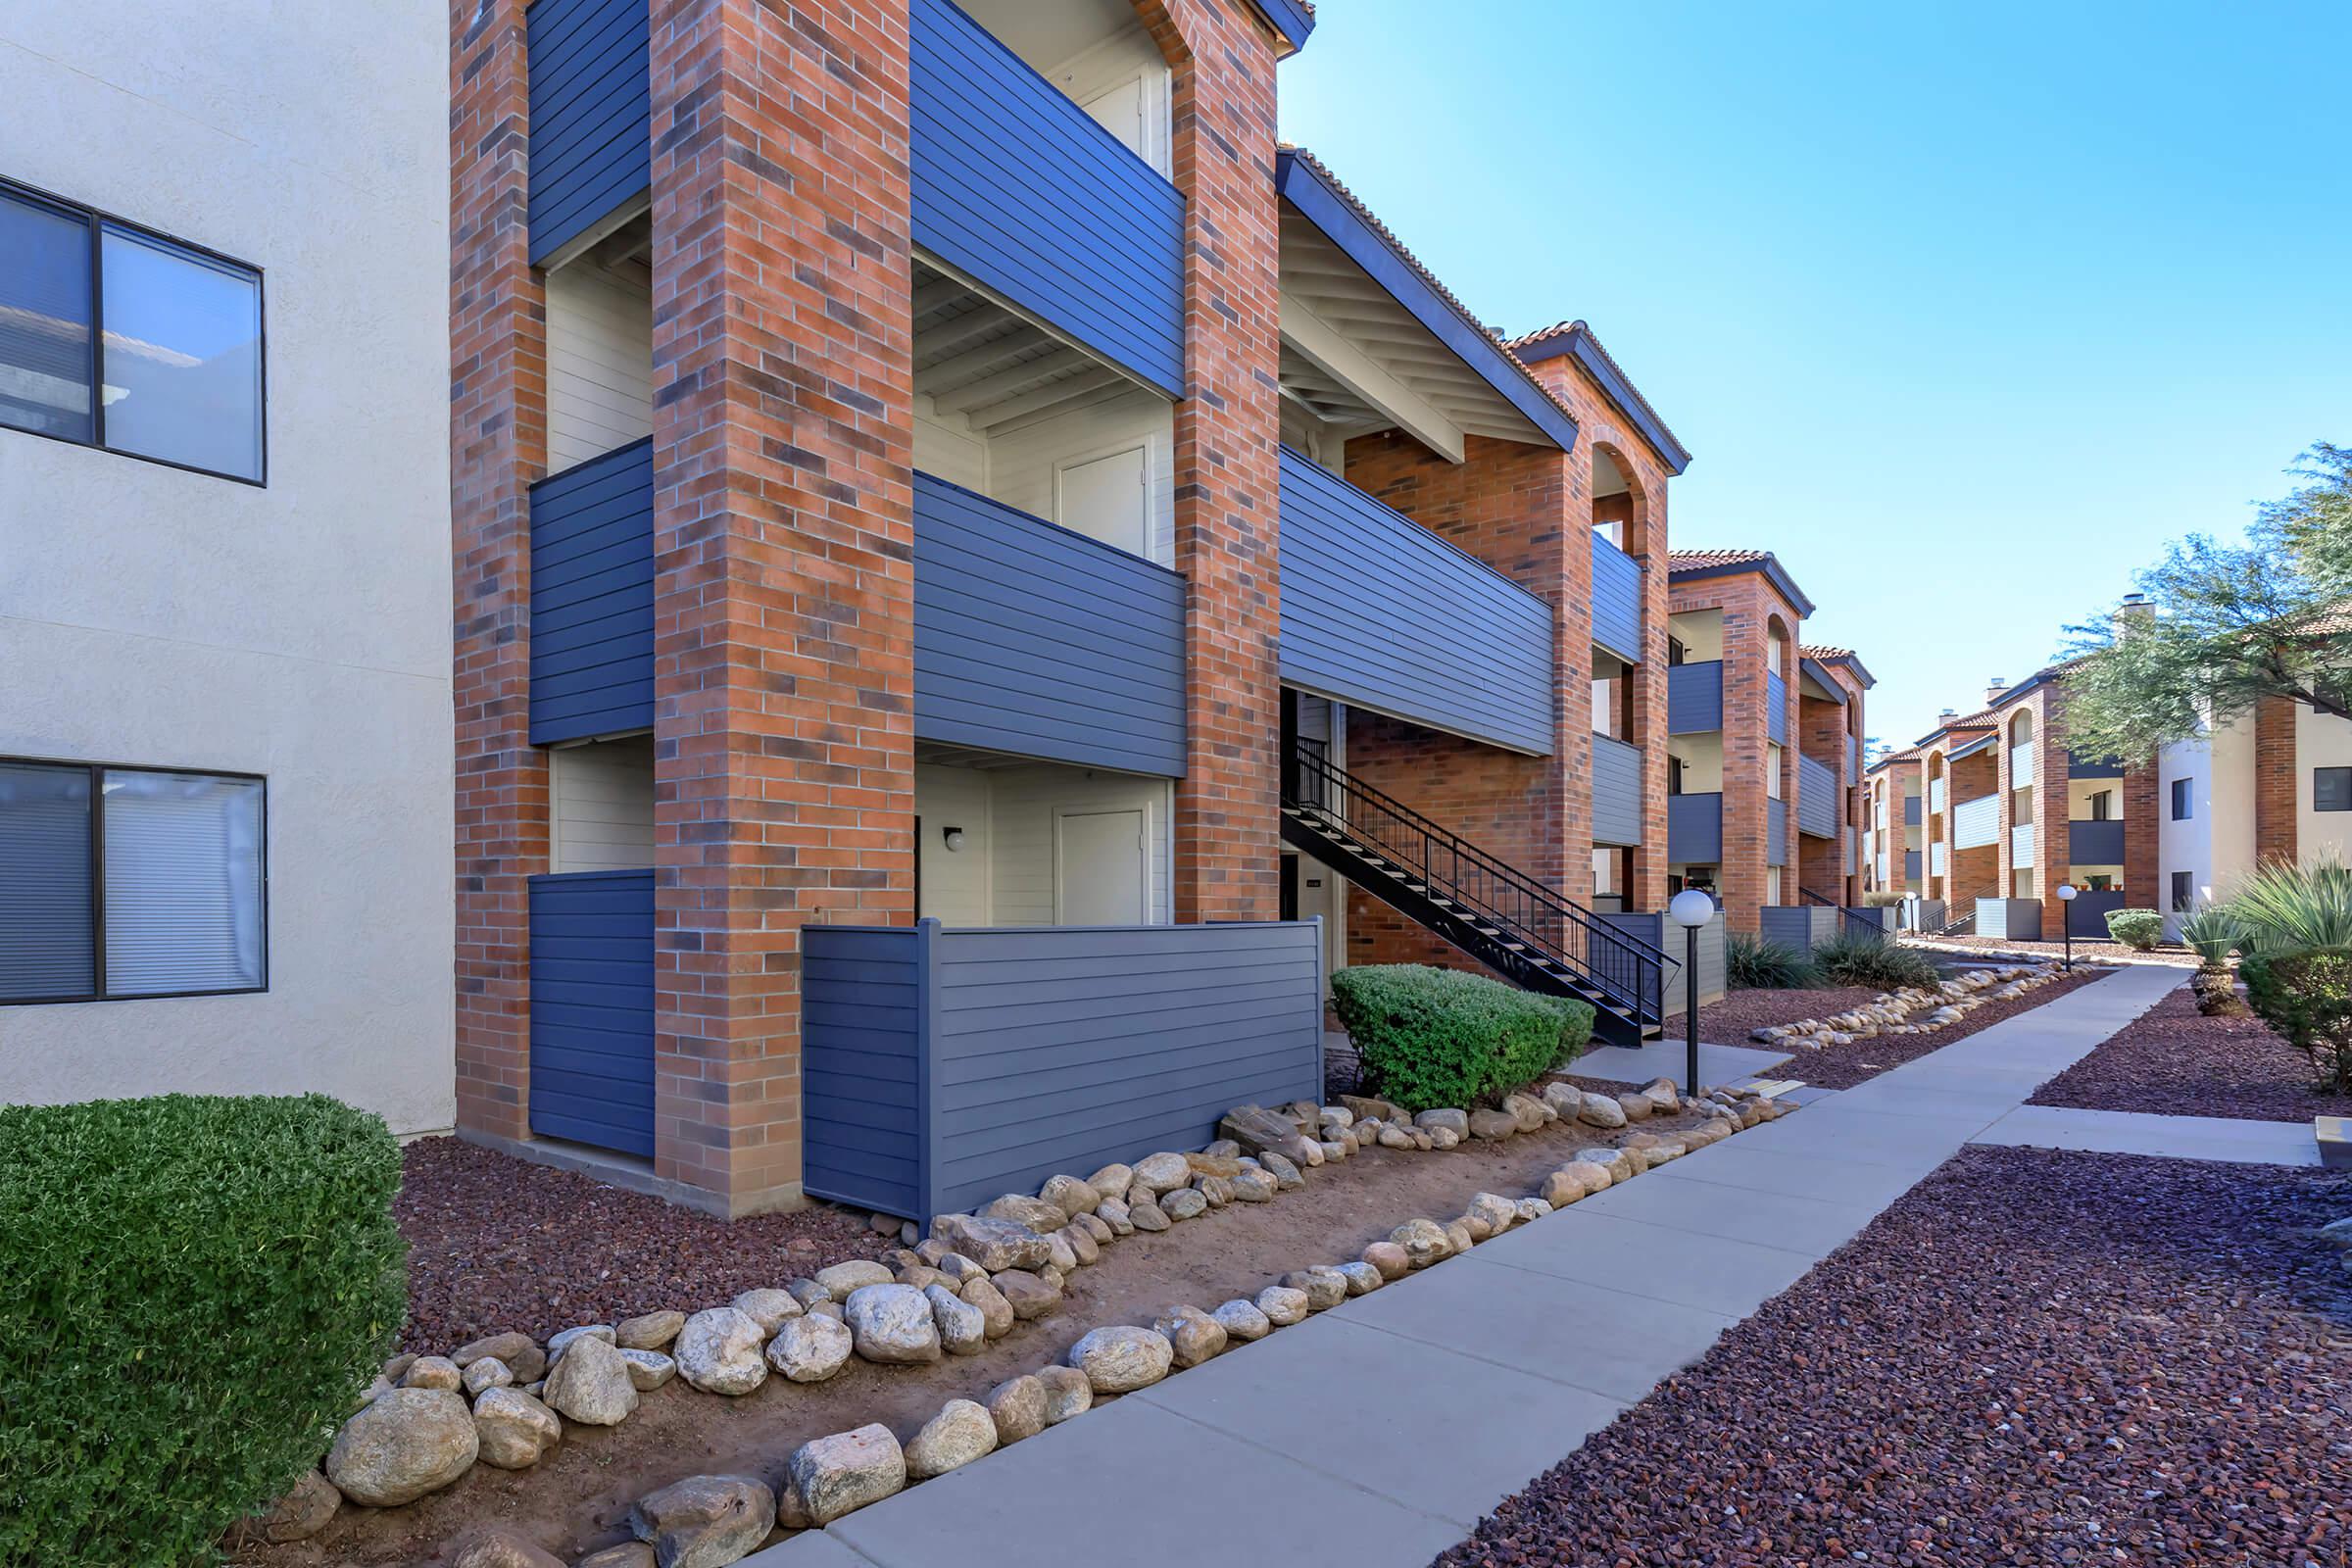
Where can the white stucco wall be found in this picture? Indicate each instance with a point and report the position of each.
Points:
(2321, 740)
(299, 631)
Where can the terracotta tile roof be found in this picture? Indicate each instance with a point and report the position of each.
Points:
(1696, 560)
(1579, 327)
(1388, 236)
(1823, 652)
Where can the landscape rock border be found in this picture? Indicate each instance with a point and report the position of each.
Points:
(973, 1280)
(1913, 1010)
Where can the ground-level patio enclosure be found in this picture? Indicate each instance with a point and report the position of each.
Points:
(942, 1067)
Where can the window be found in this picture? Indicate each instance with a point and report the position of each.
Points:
(2184, 892)
(114, 337)
(2331, 789)
(2103, 807)
(1772, 771)
(120, 882)
(2180, 799)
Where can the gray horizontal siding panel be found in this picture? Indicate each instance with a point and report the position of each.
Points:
(1878, 915)
(1934, 914)
(1069, 1048)
(1911, 868)
(1776, 708)
(1663, 934)
(592, 597)
(1914, 811)
(2010, 919)
(2095, 843)
(2078, 766)
(944, 1068)
(1616, 601)
(592, 1009)
(1381, 613)
(1817, 810)
(1776, 832)
(1616, 792)
(2087, 915)
(592, 111)
(1977, 822)
(1802, 926)
(1693, 829)
(1039, 641)
(1694, 697)
(1016, 188)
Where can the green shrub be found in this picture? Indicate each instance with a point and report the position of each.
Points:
(1440, 1037)
(2283, 909)
(1855, 959)
(2307, 997)
(197, 1291)
(2137, 929)
(2213, 932)
(1752, 963)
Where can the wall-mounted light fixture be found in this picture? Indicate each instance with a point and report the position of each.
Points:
(953, 838)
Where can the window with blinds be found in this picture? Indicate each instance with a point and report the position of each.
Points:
(122, 882)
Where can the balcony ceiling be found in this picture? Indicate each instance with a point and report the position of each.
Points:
(1350, 347)
(978, 360)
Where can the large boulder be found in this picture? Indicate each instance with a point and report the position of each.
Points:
(1600, 1110)
(1034, 1212)
(1257, 1130)
(1191, 1333)
(892, 1324)
(705, 1521)
(1424, 1241)
(1615, 1161)
(1162, 1173)
(843, 1278)
(961, 1433)
(1391, 1259)
(963, 1327)
(997, 1315)
(1029, 1296)
(590, 1383)
(1185, 1202)
(653, 1331)
(403, 1445)
(718, 1350)
(649, 1369)
(1282, 1305)
(502, 1548)
(838, 1475)
(1493, 1125)
(519, 1351)
(512, 1429)
(1242, 1321)
(1323, 1287)
(811, 1349)
(1070, 1195)
(1120, 1359)
(996, 1244)
(308, 1508)
(766, 1307)
(1497, 1212)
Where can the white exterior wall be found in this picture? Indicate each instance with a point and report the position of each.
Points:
(2321, 740)
(2216, 845)
(300, 631)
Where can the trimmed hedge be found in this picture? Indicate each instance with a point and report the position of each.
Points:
(2137, 929)
(1433, 1037)
(198, 1290)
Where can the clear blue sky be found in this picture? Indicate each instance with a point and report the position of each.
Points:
(1963, 309)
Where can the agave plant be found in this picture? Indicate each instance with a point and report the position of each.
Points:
(2213, 933)
(2281, 909)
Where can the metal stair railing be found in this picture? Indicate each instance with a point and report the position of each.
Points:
(1618, 965)
(1849, 921)
(1966, 924)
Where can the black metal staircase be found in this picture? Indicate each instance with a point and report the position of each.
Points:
(1848, 922)
(1500, 915)
(1964, 925)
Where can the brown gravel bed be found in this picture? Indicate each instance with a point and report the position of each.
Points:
(497, 1243)
(1729, 1021)
(2033, 1358)
(2174, 1061)
(2097, 950)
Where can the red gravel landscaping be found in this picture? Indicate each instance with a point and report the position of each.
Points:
(2174, 1061)
(497, 1243)
(2034, 1358)
(1729, 1021)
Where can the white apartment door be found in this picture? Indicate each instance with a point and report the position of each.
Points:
(1100, 874)
(1108, 497)
(1119, 110)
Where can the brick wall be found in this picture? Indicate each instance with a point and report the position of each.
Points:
(1519, 508)
(1976, 871)
(498, 445)
(2275, 780)
(1228, 476)
(783, 535)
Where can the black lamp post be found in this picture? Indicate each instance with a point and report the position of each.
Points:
(1691, 910)
(2066, 925)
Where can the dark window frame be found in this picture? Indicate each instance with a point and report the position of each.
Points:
(2343, 794)
(97, 772)
(2184, 891)
(2182, 804)
(97, 221)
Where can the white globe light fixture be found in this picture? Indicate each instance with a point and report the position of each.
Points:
(2066, 925)
(1690, 909)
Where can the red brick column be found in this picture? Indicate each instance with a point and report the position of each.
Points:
(1228, 475)
(2142, 800)
(2276, 785)
(1520, 508)
(498, 445)
(783, 536)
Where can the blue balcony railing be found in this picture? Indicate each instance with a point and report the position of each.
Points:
(1616, 601)
(1694, 697)
(1695, 829)
(592, 598)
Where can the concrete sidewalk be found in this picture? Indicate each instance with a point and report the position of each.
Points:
(2131, 1132)
(1382, 1431)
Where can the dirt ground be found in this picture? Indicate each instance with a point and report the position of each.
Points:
(577, 1499)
